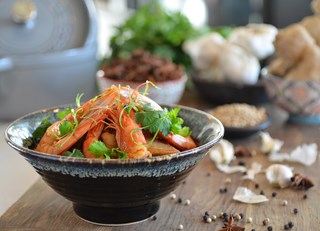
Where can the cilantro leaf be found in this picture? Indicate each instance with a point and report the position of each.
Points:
(98, 148)
(75, 153)
(64, 113)
(41, 129)
(65, 127)
(154, 120)
(161, 120)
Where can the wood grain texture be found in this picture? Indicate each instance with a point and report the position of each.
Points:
(40, 208)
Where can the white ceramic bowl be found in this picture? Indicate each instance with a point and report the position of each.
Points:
(168, 92)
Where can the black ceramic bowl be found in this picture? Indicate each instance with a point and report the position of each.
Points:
(223, 93)
(116, 192)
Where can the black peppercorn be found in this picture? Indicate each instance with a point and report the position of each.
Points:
(256, 185)
(205, 217)
(154, 218)
(274, 194)
(290, 224)
(179, 200)
(286, 227)
(305, 196)
(269, 228)
(295, 211)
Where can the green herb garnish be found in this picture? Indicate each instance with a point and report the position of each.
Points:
(64, 113)
(41, 129)
(65, 127)
(163, 121)
(98, 148)
(75, 153)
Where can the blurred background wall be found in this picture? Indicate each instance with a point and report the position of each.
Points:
(240, 12)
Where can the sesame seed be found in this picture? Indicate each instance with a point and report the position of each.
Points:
(284, 203)
(180, 227)
(221, 214)
(228, 180)
(241, 215)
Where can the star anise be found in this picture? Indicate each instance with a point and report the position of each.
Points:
(242, 151)
(301, 182)
(230, 226)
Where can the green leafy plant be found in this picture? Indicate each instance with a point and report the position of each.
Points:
(155, 29)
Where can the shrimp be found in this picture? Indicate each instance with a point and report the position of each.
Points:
(87, 116)
(92, 135)
(129, 136)
(108, 104)
(179, 142)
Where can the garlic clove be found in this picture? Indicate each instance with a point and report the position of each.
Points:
(279, 175)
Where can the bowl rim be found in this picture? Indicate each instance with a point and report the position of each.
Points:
(266, 75)
(100, 77)
(35, 154)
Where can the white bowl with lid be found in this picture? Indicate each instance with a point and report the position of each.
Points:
(48, 54)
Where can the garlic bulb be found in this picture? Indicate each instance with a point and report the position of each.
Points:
(256, 39)
(279, 175)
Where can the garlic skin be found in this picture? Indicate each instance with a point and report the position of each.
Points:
(305, 154)
(268, 144)
(245, 195)
(279, 175)
(222, 153)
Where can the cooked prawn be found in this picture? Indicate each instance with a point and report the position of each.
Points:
(87, 116)
(179, 142)
(92, 135)
(129, 136)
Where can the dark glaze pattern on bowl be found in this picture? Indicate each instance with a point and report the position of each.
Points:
(116, 192)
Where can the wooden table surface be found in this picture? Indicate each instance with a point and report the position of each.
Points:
(40, 208)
